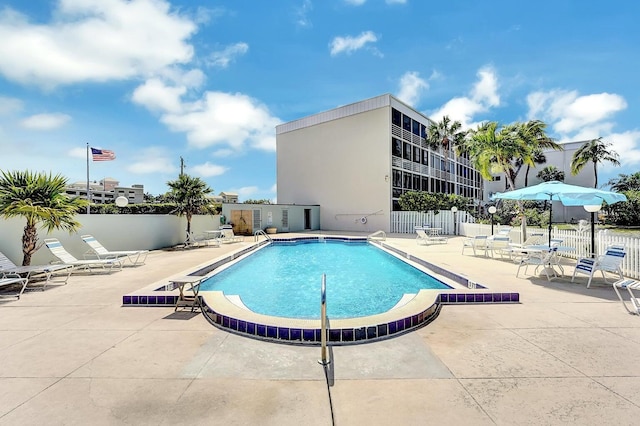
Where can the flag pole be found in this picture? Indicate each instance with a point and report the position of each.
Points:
(88, 188)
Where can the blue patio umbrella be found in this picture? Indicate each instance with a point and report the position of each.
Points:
(568, 195)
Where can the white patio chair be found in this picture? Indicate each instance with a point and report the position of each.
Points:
(56, 248)
(228, 236)
(539, 258)
(49, 272)
(499, 245)
(422, 238)
(630, 285)
(136, 257)
(6, 281)
(610, 261)
(479, 242)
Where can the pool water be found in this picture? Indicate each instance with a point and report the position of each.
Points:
(284, 280)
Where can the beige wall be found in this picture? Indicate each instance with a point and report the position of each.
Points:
(115, 232)
(340, 165)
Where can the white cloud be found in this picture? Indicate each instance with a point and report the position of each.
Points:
(302, 14)
(152, 160)
(246, 191)
(396, 1)
(355, 2)
(234, 120)
(569, 113)
(350, 44)
(45, 121)
(157, 96)
(77, 153)
(93, 40)
(10, 105)
(207, 169)
(627, 145)
(411, 87)
(223, 58)
(484, 95)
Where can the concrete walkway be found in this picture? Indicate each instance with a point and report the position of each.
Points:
(73, 355)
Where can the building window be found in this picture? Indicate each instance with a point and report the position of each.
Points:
(416, 154)
(397, 178)
(407, 151)
(396, 147)
(415, 128)
(396, 117)
(425, 157)
(406, 180)
(406, 123)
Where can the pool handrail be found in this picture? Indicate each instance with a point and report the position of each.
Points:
(323, 322)
(261, 232)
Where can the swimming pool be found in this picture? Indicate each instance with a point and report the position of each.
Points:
(284, 279)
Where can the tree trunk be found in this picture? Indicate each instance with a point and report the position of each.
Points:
(29, 243)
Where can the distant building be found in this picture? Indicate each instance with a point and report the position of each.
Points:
(229, 197)
(106, 191)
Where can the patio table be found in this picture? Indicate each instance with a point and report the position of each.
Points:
(188, 300)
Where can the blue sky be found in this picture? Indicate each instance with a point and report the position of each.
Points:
(156, 80)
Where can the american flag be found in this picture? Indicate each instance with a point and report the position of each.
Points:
(102, 154)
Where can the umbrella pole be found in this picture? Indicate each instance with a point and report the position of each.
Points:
(550, 219)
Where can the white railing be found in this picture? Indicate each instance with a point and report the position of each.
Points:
(405, 222)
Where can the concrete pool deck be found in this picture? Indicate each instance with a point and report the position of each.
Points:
(73, 355)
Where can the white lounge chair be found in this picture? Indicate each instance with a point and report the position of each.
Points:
(479, 242)
(422, 238)
(67, 258)
(228, 236)
(136, 257)
(630, 285)
(539, 258)
(10, 281)
(49, 272)
(194, 240)
(499, 244)
(610, 261)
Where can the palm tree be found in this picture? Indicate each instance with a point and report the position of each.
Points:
(625, 182)
(596, 151)
(190, 195)
(41, 199)
(550, 173)
(446, 135)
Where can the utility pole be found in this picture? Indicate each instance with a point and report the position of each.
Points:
(182, 166)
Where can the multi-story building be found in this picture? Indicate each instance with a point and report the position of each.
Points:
(106, 191)
(355, 161)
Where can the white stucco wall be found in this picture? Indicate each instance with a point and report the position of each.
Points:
(342, 165)
(115, 232)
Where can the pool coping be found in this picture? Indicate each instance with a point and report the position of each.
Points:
(417, 312)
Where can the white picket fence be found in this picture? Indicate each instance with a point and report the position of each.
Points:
(405, 223)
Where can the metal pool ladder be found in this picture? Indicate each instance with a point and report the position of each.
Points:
(261, 232)
(323, 322)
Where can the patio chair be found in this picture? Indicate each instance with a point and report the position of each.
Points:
(499, 244)
(610, 261)
(539, 258)
(196, 240)
(136, 257)
(56, 248)
(422, 238)
(479, 242)
(10, 281)
(49, 272)
(635, 300)
(228, 236)
(533, 239)
(504, 230)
